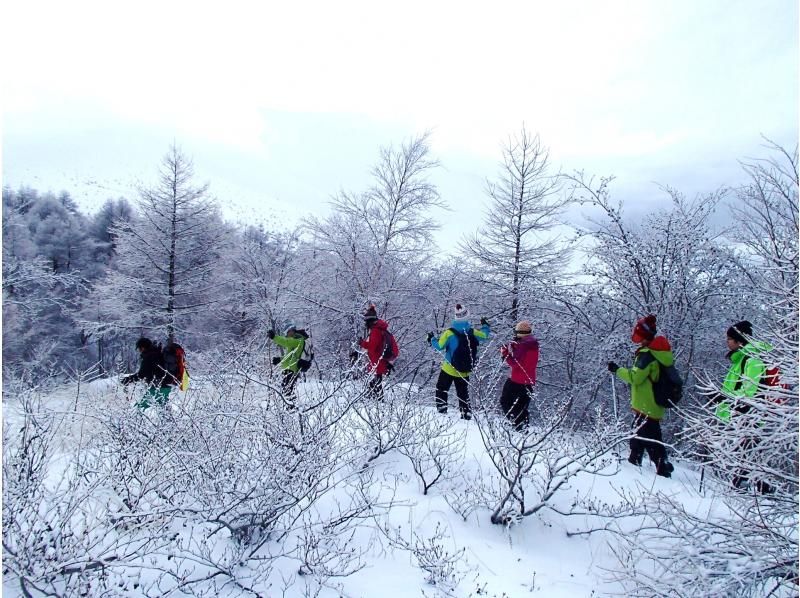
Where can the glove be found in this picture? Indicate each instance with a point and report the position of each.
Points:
(276, 360)
(484, 322)
(430, 337)
(389, 367)
(271, 334)
(612, 367)
(504, 351)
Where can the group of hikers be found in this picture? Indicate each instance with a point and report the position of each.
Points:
(459, 343)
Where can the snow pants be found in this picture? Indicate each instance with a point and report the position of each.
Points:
(462, 392)
(287, 386)
(154, 394)
(648, 437)
(375, 387)
(514, 402)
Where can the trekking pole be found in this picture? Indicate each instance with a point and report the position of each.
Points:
(614, 397)
(702, 476)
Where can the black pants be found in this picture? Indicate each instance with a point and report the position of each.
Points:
(742, 475)
(514, 401)
(462, 391)
(287, 385)
(375, 387)
(648, 437)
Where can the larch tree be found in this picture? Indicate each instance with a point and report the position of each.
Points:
(516, 246)
(164, 271)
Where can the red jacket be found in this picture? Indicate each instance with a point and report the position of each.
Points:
(522, 356)
(375, 345)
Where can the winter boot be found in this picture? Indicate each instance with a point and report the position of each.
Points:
(665, 469)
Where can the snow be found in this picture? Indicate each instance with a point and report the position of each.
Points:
(534, 556)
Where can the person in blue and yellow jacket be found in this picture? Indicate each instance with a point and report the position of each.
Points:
(460, 346)
(647, 414)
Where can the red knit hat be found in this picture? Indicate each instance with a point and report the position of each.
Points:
(645, 329)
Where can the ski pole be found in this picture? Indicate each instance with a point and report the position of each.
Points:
(614, 397)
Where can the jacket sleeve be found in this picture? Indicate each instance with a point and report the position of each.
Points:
(636, 376)
(482, 333)
(287, 343)
(440, 344)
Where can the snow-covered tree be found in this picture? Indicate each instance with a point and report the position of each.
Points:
(516, 249)
(162, 272)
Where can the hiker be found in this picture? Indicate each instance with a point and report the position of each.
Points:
(653, 350)
(293, 344)
(381, 348)
(460, 346)
(742, 385)
(151, 370)
(522, 354)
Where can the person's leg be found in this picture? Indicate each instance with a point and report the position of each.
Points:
(162, 395)
(637, 447)
(442, 386)
(507, 398)
(375, 387)
(651, 432)
(513, 403)
(287, 386)
(524, 399)
(462, 392)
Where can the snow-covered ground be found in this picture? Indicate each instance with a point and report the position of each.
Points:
(419, 545)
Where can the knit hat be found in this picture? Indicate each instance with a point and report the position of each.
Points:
(144, 343)
(739, 331)
(523, 328)
(461, 312)
(370, 314)
(645, 329)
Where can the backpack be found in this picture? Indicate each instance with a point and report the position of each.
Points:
(307, 354)
(770, 379)
(390, 350)
(174, 364)
(465, 354)
(668, 389)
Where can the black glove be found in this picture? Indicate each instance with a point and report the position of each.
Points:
(271, 334)
(612, 367)
(276, 360)
(389, 367)
(430, 337)
(484, 322)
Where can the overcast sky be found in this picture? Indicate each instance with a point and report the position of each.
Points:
(283, 105)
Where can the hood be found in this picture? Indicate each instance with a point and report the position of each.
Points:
(661, 350)
(461, 325)
(756, 348)
(381, 325)
(529, 341)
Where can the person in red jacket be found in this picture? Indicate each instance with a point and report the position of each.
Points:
(522, 354)
(381, 351)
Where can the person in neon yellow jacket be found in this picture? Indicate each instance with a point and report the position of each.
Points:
(746, 371)
(743, 385)
(459, 343)
(647, 414)
(293, 344)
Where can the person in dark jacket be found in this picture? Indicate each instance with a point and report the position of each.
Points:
(152, 371)
(647, 414)
(522, 354)
(381, 349)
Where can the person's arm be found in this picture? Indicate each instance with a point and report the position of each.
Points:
(635, 376)
(483, 332)
(287, 343)
(441, 343)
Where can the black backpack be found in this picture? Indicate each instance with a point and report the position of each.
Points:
(668, 389)
(466, 353)
(307, 354)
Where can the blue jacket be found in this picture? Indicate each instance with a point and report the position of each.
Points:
(448, 342)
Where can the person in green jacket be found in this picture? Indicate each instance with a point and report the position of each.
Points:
(293, 344)
(653, 350)
(741, 386)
